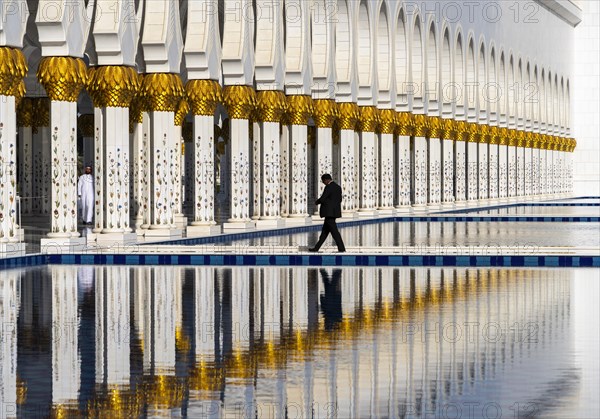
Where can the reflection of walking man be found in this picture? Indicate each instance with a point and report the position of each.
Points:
(331, 208)
(85, 192)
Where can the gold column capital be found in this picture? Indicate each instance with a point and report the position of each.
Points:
(421, 125)
(299, 109)
(494, 135)
(484, 134)
(25, 113)
(474, 132)
(573, 144)
(85, 123)
(41, 112)
(13, 68)
(326, 112)
(462, 130)
(62, 77)
(388, 120)
(161, 92)
(450, 131)
(113, 86)
(183, 109)
(405, 123)
(369, 118)
(349, 115)
(204, 96)
(436, 127)
(270, 105)
(240, 101)
(521, 138)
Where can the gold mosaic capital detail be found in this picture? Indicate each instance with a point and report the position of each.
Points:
(270, 105)
(25, 113)
(183, 108)
(436, 127)
(299, 109)
(421, 126)
(85, 123)
(348, 115)
(62, 77)
(462, 130)
(369, 118)
(474, 132)
(484, 133)
(113, 86)
(405, 121)
(240, 101)
(41, 112)
(161, 92)
(204, 96)
(13, 68)
(325, 113)
(449, 129)
(388, 120)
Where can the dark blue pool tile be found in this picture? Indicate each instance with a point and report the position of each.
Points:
(462, 261)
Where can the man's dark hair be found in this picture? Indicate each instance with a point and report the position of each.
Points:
(326, 176)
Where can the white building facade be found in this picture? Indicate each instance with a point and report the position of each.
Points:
(413, 105)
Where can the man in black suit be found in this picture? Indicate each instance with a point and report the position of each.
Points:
(331, 208)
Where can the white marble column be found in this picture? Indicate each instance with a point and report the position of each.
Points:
(535, 169)
(512, 167)
(325, 114)
(10, 235)
(139, 148)
(99, 169)
(9, 315)
(41, 156)
(63, 92)
(543, 166)
(25, 158)
(204, 97)
(528, 164)
(403, 170)
(284, 168)
(448, 163)
(493, 163)
(255, 174)
(161, 93)
(520, 168)
(300, 108)
(368, 161)
(349, 115)
(182, 110)
(271, 105)
(460, 168)
(472, 171)
(66, 362)
(386, 178)
(419, 163)
(483, 164)
(503, 163)
(240, 102)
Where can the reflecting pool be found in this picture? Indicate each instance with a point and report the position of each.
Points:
(436, 233)
(118, 341)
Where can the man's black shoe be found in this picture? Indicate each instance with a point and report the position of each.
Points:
(313, 249)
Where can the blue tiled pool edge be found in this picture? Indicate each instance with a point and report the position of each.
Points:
(334, 259)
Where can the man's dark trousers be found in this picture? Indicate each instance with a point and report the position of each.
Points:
(330, 226)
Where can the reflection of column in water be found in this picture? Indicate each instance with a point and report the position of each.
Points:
(112, 324)
(9, 308)
(65, 357)
(297, 297)
(369, 236)
(434, 232)
(164, 316)
(204, 308)
(240, 307)
(386, 234)
(142, 306)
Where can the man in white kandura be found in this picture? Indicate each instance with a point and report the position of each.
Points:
(85, 193)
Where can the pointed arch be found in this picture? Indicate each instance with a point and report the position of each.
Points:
(401, 59)
(482, 80)
(568, 109)
(319, 44)
(343, 42)
(365, 47)
(470, 85)
(503, 94)
(492, 88)
(527, 94)
(535, 103)
(512, 109)
(555, 105)
(518, 91)
(432, 67)
(417, 65)
(383, 50)
(459, 73)
(448, 92)
(542, 103)
(549, 100)
(561, 103)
